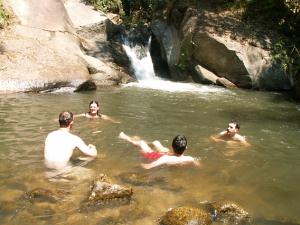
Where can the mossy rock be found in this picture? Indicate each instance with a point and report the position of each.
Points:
(185, 216)
(41, 195)
(228, 213)
(103, 193)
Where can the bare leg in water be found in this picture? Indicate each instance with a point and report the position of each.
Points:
(145, 148)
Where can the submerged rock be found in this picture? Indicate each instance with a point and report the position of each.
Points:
(228, 213)
(41, 195)
(103, 193)
(140, 179)
(186, 216)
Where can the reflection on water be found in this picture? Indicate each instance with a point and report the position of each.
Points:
(263, 178)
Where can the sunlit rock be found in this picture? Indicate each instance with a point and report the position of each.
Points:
(225, 83)
(205, 76)
(186, 215)
(103, 193)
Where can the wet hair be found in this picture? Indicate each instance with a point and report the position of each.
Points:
(65, 118)
(179, 144)
(97, 103)
(237, 126)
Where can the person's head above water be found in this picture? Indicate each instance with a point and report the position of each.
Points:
(179, 144)
(94, 108)
(233, 127)
(65, 118)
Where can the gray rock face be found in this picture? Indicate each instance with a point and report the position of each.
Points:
(44, 52)
(34, 60)
(41, 52)
(193, 38)
(48, 15)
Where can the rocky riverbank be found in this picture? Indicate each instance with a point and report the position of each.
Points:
(45, 48)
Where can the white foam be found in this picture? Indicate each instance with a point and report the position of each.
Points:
(170, 86)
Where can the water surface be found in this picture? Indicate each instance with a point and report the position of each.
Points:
(263, 179)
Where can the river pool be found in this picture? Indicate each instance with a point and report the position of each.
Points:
(263, 178)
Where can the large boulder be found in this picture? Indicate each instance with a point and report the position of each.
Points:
(34, 60)
(43, 50)
(105, 58)
(187, 37)
(40, 52)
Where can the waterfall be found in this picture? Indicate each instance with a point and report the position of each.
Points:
(141, 61)
(142, 66)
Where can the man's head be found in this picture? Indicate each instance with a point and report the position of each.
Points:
(179, 144)
(65, 119)
(233, 128)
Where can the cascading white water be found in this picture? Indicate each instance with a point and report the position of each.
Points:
(145, 75)
(143, 68)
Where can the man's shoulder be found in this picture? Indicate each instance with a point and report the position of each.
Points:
(239, 137)
(59, 133)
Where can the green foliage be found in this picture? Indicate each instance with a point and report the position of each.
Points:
(113, 6)
(4, 16)
(288, 56)
(281, 16)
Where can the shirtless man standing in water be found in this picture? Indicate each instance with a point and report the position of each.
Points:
(60, 144)
(230, 135)
(163, 156)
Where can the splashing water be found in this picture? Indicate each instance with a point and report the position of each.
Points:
(142, 67)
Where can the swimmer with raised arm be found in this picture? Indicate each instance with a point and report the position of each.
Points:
(161, 154)
(230, 135)
(60, 144)
(94, 113)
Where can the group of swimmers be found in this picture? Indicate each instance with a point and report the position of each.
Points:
(60, 144)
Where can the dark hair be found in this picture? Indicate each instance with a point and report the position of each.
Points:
(179, 144)
(65, 118)
(95, 102)
(237, 126)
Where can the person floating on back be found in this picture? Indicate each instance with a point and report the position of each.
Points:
(94, 113)
(230, 135)
(161, 154)
(60, 144)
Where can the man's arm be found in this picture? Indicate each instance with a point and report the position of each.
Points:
(166, 160)
(89, 150)
(242, 140)
(105, 117)
(79, 115)
(218, 137)
(161, 161)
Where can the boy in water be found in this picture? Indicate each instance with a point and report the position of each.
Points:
(230, 135)
(163, 156)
